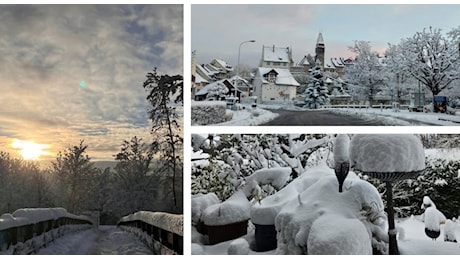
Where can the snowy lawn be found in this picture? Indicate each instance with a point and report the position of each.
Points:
(403, 117)
(249, 117)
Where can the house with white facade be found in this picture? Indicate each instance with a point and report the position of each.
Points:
(276, 57)
(274, 85)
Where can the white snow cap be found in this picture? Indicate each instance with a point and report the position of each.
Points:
(433, 219)
(167, 221)
(233, 210)
(200, 202)
(341, 146)
(427, 202)
(277, 177)
(387, 153)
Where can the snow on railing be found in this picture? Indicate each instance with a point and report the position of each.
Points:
(27, 230)
(161, 231)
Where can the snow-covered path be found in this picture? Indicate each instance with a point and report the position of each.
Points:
(107, 240)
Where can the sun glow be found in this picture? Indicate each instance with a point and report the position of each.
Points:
(29, 150)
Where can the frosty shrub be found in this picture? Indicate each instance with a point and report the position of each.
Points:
(217, 177)
(208, 112)
(441, 182)
(233, 158)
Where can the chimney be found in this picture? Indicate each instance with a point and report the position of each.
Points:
(273, 47)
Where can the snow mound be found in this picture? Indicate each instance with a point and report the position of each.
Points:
(264, 212)
(197, 249)
(387, 153)
(335, 235)
(234, 209)
(359, 201)
(449, 231)
(200, 202)
(238, 247)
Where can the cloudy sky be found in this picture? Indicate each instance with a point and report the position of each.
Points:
(218, 30)
(71, 72)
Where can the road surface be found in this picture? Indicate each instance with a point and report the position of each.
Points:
(107, 240)
(318, 118)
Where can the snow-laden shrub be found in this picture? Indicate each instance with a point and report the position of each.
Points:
(218, 178)
(208, 112)
(440, 181)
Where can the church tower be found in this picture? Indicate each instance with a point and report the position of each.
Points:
(319, 51)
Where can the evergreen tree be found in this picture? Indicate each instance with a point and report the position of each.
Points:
(166, 128)
(316, 93)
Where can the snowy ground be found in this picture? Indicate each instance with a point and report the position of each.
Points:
(414, 242)
(402, 117)
(247, 117)
(107, 240)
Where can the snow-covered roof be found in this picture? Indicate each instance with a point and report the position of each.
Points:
(200, 79)
(275, 54)
(320, 39)
(284, 76)
(303, 61)
(337, 62)
(328, 64)
(224, 64)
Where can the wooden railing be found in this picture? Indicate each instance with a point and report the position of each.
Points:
(27, 230)
(160, 231)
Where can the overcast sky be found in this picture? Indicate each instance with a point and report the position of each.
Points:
(218, 30)
(76, 71)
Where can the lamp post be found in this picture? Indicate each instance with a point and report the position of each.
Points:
(238, 67)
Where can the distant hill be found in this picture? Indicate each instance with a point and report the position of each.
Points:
(99, 164)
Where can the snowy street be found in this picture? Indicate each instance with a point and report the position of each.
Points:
(107, 240)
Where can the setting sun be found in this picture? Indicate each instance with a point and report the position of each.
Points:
(29, 150)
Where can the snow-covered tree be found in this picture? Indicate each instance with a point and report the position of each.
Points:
(431, 58)
(73, 171)
(217, 91)
(166, 127)
(316, 94)
(366, 76)
(132, 180)
(399, 76)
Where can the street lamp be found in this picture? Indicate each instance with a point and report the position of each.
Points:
(238, 67)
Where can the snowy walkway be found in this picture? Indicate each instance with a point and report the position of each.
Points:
(107, 240)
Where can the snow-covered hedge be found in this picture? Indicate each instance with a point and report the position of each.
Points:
(209, 112)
